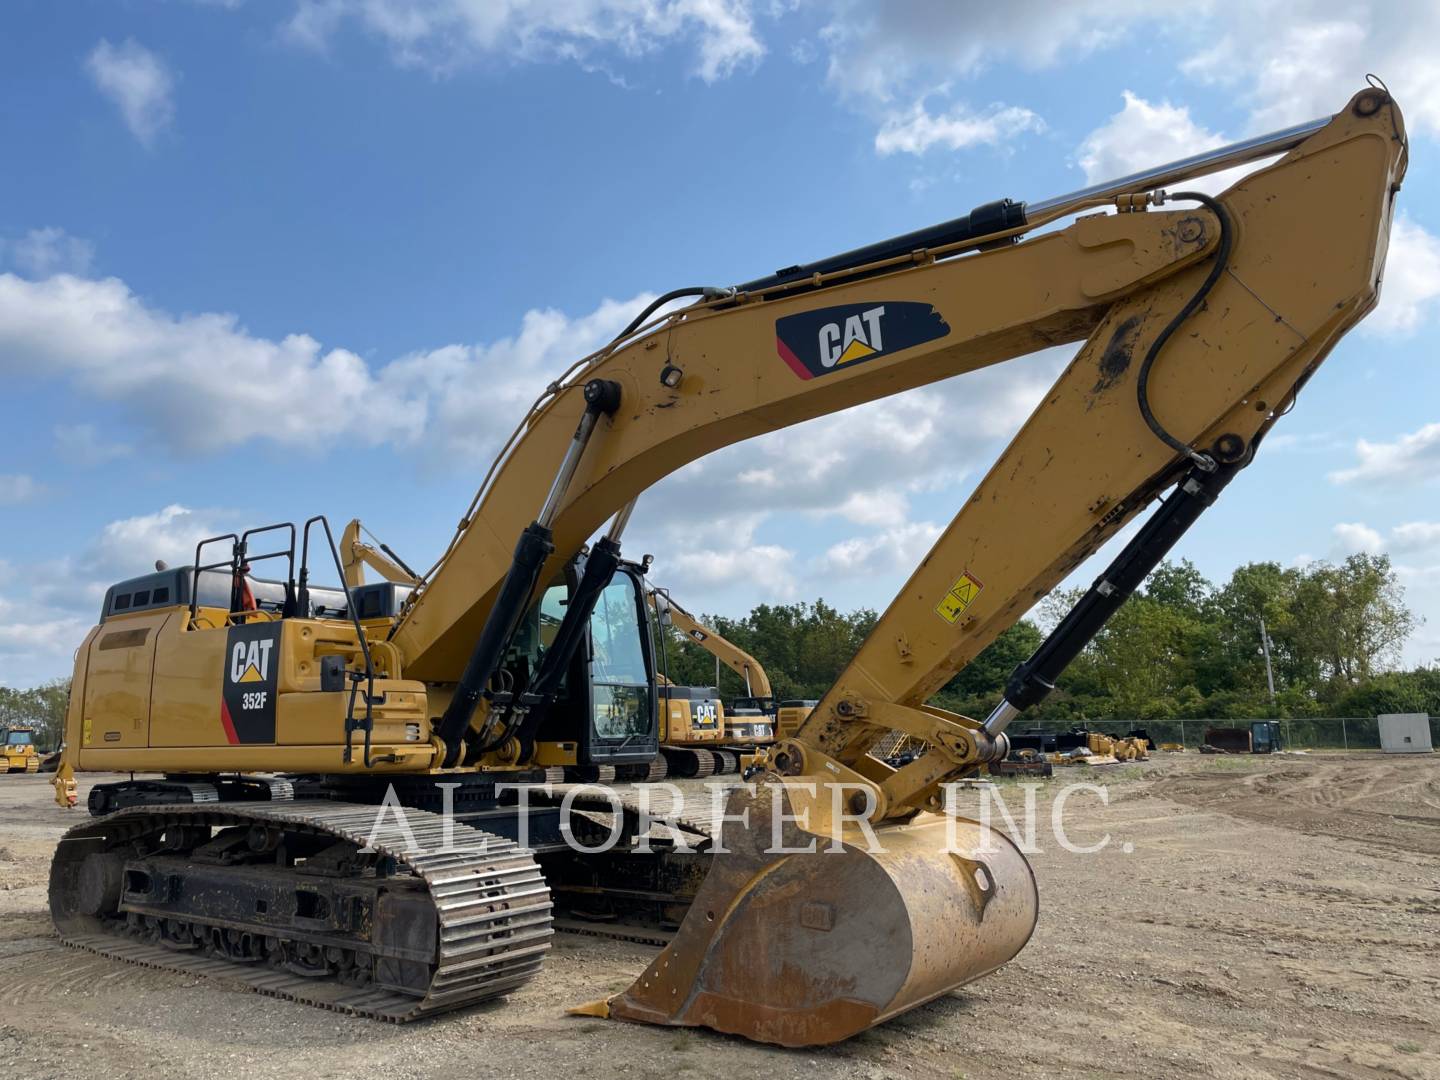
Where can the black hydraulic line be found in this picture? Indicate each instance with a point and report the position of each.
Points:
(1033, 679)
(707, 292)
(535, 546)
(549, 677)
(1142, 380)
(537, 543)
(399, 561)
(992, 217)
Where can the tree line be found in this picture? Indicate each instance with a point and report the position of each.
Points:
(1182, 647)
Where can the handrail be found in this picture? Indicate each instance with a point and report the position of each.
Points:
(303, 598)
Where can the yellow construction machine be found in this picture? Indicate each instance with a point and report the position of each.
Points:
(17, 750)
(749, 722)
(837, 893)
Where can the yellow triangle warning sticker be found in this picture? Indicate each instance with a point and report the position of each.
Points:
(251, 675)
(855, 351)
(961, 595)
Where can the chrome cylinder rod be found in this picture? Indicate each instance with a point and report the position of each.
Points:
(567, 468)
(999, 718)
(621, 519)
(1208, 161)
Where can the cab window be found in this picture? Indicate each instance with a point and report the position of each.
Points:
(619, 673)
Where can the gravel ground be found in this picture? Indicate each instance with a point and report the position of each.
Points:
(1273, 917)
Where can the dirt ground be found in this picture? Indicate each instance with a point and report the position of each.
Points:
(1273, 917)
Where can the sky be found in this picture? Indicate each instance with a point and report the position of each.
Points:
(263, 259)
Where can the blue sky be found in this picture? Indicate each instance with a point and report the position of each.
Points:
(260, 260)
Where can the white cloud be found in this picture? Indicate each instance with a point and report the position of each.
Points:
(43, 252)
(131, 545)
(732, 557)
(1411, 282)
(35, 645)
(764, 565)
(916, 129)
(1405, 539)
(1144, 134)
(138, 82)
(202, 382)
(1411, 457)
(1356, 536)
(1415, 536)
(874, 507)
(894, 552)
(1284, 61)
(17, 488)
(1140, 135)
(1294, 60)
(879, 51)
(447, 388)
(443, 35)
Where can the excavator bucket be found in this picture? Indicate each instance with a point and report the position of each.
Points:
(814, 944)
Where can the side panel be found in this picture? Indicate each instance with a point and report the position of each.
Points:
(688, 721)
(189, 673)
(117, 680)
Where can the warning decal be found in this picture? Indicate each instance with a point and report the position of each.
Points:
(961, 595)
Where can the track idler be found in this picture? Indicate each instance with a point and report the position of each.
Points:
(805, 949)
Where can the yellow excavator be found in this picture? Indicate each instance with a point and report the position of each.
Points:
(752, 719)
(288, 719)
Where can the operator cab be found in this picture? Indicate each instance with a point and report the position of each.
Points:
(606, 710)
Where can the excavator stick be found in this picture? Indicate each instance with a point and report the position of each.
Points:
(804, 938)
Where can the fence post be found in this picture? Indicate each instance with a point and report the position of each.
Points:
(1344, 735)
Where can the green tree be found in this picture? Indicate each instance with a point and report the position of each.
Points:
(1180, 648)
(1351, 619)
(803, 647)
(1180, 587)
(1143, 657)
(1256, 593)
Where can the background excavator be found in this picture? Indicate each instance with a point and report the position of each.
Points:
(752, 719)
(751, 722)
(282, 713)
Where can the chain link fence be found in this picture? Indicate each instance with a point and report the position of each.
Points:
(1311, 733)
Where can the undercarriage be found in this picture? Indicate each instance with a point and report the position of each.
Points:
(351, 905)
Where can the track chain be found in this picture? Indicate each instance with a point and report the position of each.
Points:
(492, 904)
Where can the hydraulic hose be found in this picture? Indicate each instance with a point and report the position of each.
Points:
(1142, 380)
(706, 292)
